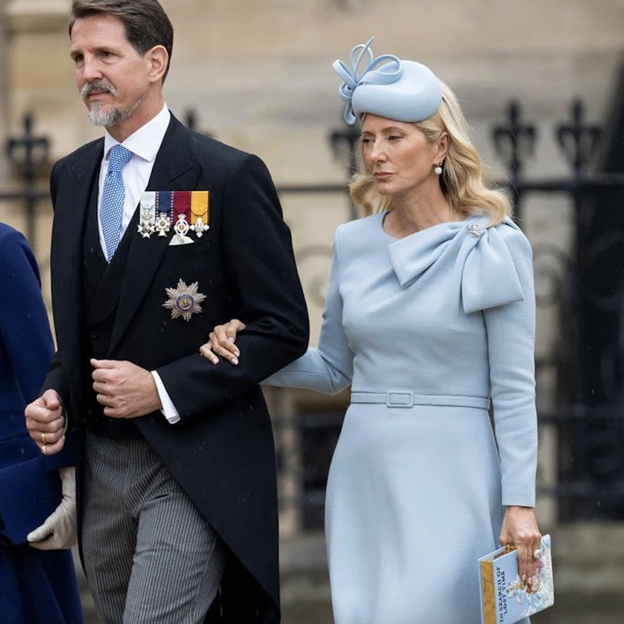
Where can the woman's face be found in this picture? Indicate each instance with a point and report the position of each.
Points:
(398, 156)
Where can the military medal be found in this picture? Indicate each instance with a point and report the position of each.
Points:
(184, 211)
(181, 213)
(147, 214)
(184, 300)
(200, 212)
(164, 201)
(181, 227)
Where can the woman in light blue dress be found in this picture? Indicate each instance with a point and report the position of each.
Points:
(429, 318)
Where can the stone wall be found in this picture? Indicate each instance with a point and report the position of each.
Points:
(258, 74)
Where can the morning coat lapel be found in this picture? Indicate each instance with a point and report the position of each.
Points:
(71, 202)
(173, 170)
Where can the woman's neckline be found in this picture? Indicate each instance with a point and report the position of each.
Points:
(426, 229)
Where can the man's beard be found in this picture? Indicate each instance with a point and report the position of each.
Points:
(99, 115)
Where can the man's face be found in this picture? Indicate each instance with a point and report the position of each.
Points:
(112, 77)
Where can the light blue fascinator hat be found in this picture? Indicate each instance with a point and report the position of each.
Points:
(387, 86)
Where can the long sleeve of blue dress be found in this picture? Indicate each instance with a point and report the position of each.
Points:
(328, 368)
(511, 337)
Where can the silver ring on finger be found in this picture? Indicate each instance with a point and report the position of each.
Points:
(537, 554)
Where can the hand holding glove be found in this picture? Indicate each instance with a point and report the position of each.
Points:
(59, 529)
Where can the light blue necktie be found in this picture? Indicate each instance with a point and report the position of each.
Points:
(113, 194)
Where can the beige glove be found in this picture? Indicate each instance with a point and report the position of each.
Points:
(59, 529)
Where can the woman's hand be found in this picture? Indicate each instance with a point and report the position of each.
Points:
(520, 527)
(221, 342)
(46, 422)
(59, 529)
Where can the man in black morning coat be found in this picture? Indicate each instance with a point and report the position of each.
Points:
(128, 377)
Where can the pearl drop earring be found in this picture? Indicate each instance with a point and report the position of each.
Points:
(438, 169)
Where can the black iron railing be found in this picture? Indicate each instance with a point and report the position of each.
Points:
(584, 285)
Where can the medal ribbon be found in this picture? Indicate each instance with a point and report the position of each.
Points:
(199, 206)
(181, 205)
(164, 202)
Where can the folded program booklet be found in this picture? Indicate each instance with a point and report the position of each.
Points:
(505, 597)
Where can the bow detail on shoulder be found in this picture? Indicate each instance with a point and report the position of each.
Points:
(384, 69)
(489, 277)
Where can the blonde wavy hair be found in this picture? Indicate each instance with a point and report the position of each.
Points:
(463, 180)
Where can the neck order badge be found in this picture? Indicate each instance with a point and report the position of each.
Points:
(113, 196)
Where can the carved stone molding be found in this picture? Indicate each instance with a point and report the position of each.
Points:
(36, 15)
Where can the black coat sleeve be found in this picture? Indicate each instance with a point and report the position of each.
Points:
(56, 378)
(268, 297)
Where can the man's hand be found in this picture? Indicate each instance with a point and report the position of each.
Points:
(124, 389)
(45, 421)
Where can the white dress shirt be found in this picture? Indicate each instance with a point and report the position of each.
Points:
(144, 144)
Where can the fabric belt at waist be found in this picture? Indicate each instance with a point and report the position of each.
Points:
(400, 398)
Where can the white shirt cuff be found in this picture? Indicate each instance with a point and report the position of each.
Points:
(168, 408)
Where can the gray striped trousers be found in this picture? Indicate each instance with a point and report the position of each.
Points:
(149, 555)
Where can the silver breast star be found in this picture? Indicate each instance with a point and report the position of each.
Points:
(184, 300)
